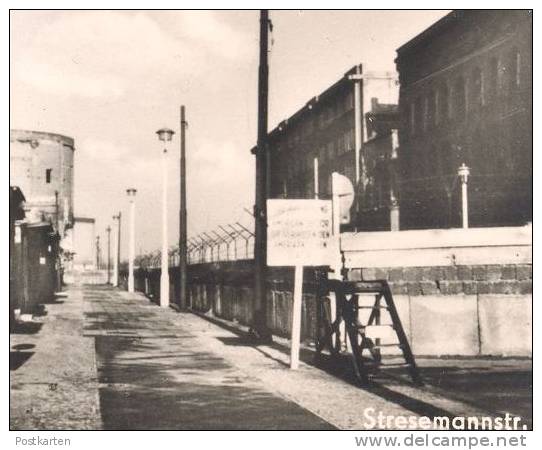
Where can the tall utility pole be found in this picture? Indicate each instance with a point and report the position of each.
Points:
(108, 230)
(182, 217)
(259, 328)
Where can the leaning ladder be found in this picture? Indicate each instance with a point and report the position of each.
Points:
(348, 307)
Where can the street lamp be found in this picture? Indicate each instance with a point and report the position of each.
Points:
(165, 135)
(463, 173)
(131, 240)
(108, 230)
(116, 256)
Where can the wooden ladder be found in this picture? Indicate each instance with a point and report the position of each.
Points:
(348, 307)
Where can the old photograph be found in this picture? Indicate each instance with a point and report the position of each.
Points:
(271, 220)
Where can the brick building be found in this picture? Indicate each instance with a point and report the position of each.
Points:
(324, 133)
(466, 97)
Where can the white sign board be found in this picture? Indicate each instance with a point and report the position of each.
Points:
(299, 232)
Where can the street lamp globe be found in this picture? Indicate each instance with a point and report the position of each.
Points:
(165, 134)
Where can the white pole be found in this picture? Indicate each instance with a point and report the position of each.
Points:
(337, 261)
(463, 172)
(316, 187)
(164, 272)
(358, 122)
(131, 247)
(115, 255)
(465, 204)
(296, 317)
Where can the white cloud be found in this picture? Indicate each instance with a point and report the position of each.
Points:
(57, 80)
(205, 28)
(105, 54)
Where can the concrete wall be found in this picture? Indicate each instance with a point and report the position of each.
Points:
(479, 307)
(459, 292)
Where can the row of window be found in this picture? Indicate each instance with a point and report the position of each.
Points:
(298, 164)
(465, 93)
(322, 118)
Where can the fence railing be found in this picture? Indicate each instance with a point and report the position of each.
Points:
(225, 243)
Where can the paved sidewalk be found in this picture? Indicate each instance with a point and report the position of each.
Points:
(156, 374)
(53, 380)
(129, 364)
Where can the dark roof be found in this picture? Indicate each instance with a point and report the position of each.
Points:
(314, 100)
(430, 32)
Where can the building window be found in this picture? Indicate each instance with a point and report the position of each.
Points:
(459, 97)
(419, 113)
(431, 109)
(412, 118)
(477, 88)
(515, 69)
(330, 151)
(493, 77)
(48, 175)
(443, 107)
(425, 113)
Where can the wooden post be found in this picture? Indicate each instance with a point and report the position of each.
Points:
(117, 279)
(259, 328)
(182, 217)
(296, 317)
(316, 184)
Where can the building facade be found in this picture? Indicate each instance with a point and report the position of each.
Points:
(329, 134)
(466, 97)
(41, 165)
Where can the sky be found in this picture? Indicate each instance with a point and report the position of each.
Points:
(110, 79)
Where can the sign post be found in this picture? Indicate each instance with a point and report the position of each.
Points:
(296, 317)
(298, 234)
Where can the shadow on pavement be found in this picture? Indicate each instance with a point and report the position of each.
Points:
(182, 388)
(488, 386)
(17, 359)
(26, 328)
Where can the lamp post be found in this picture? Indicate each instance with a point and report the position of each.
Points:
(108, 230)
(97, 252)
(164, 135)
(131, 240)
(463, 172)
(116, 256)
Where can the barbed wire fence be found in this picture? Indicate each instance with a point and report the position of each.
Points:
(228, 242)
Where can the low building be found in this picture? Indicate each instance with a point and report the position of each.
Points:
(466, 97)
(16, 214)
